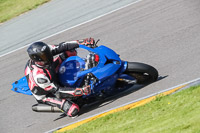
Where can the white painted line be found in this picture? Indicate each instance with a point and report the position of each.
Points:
(75, 26)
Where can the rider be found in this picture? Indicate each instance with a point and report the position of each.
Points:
(41, 73)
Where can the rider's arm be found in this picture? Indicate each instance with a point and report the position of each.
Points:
(44, 82)
(71, 45)
(65, 46)
(74, 92)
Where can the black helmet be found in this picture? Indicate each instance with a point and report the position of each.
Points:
(40, 53)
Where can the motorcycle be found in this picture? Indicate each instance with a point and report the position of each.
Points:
(102, 69)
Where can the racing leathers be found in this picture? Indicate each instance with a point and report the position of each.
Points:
(43, 81)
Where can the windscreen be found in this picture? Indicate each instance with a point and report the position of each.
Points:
(70, 68)
(90, 58)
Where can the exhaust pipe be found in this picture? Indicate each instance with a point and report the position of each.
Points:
(45, 108)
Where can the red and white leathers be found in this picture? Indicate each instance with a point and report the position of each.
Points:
(43, 83)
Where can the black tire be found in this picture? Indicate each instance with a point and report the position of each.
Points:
(143, 73)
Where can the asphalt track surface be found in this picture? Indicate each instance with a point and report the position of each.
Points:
(162, 33)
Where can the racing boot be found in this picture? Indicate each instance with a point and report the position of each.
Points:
(71, 109)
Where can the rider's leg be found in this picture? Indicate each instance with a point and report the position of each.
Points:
(70, 108)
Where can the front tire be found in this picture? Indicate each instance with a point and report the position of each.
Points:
(143, 73)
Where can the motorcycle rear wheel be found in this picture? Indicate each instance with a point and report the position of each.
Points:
(143, 73)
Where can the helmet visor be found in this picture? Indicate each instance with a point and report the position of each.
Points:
(46, 57)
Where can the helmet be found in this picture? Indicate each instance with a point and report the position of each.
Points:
(40, 53)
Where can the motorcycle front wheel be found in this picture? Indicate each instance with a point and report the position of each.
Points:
(143, 73)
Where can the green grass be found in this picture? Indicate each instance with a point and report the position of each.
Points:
(177, 113)
(13, 8)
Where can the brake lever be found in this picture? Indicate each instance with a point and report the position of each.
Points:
(97, 42)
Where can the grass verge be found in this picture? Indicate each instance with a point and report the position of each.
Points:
(13, 8)
(179, 112)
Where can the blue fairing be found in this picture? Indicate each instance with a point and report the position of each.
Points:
(106, 71)
(75, 73)
(107, 53)
(21, 86)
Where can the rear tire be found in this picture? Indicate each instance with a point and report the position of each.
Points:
(143, 73)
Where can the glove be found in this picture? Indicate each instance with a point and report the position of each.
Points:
(90, 42)
(82, 91)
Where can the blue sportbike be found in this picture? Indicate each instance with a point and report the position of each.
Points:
(102, 69)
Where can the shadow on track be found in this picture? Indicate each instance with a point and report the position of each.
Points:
(110, 99)
(105, 101)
